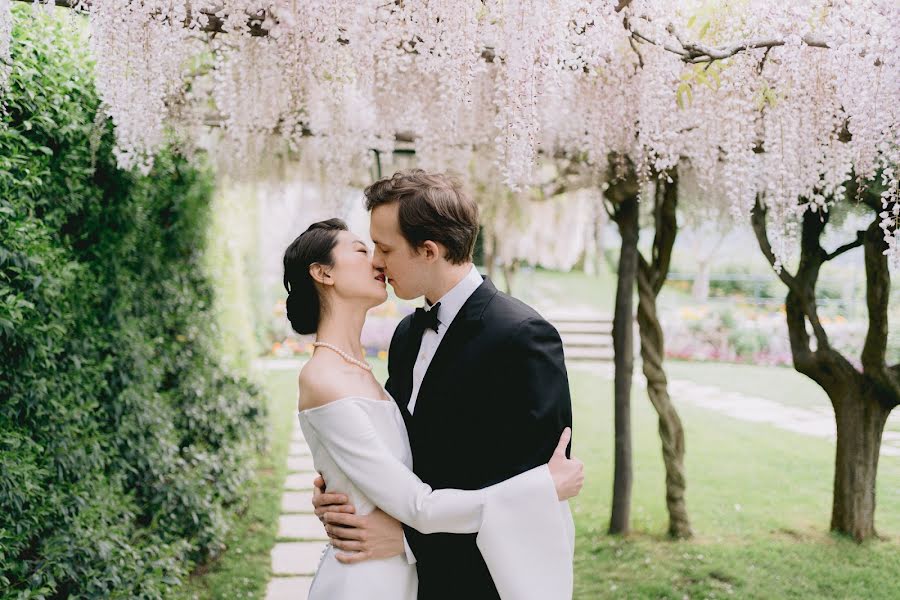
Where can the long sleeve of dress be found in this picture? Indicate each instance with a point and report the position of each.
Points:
(346, 431)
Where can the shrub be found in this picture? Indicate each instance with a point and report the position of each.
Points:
(124, 443)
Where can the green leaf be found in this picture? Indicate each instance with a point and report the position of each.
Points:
(703, 30)
(683, 90)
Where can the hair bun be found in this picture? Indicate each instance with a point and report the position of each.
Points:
(303, 313)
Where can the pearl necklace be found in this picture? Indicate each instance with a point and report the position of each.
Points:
(359, 363)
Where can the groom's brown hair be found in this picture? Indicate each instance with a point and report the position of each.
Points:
(433, 206)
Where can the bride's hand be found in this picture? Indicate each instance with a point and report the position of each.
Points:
(568, 474)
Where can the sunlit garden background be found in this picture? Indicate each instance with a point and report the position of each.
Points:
(148, 373)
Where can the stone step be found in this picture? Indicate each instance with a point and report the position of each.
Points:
(297, 502)
(300, 464)
(599, 354)
(301, 527)
(288, 588)
(583, 327)
(300, 482)
(555, 313)
(577, 340)
(296, 558)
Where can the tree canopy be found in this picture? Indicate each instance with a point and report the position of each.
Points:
(785, 101)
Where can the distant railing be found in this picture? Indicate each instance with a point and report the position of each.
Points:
(851, 292)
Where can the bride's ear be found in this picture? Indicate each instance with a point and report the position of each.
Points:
(320, 274)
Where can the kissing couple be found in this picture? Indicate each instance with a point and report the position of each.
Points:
(452, 479)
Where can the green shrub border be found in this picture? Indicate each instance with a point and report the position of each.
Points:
(125, 445)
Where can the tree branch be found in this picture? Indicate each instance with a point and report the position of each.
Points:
(860, 239)
(878, 285)
(894, 378)
(702, 53)
(636, 51)
(666, 229)
(812, 257)
(214, 23)
(695, 52)
(758, 220)
(641, 37)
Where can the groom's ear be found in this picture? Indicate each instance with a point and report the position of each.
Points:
(431, 250)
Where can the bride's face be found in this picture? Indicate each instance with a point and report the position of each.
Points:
(353, 275)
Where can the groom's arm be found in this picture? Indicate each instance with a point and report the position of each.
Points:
(375, 535)
(541, 399)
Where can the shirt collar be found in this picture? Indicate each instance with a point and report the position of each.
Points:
(453, 301)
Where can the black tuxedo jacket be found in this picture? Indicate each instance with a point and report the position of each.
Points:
(492, 405)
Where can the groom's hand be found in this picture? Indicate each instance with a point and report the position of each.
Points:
(375, 535)
(329, 502)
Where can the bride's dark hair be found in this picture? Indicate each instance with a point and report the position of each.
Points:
(304, 306)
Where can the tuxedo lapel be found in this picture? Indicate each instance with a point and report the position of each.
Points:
(464, 327)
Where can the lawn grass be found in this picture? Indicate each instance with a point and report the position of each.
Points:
(244, 569)
(759, 499)
(543, 288)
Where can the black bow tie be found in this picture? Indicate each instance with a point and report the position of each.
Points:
(426, 319)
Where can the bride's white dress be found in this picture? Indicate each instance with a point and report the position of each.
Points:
(361, 448)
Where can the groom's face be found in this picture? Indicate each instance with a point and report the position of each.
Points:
(404, 267)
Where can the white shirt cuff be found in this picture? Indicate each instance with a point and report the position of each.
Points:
(410, 557)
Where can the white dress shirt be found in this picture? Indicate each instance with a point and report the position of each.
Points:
(451, 304)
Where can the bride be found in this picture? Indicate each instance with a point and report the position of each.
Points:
(356, 432)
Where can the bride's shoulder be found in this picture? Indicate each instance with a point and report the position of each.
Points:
(316, 385)
(323, 382)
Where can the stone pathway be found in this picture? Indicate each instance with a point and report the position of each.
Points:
(301, 538)
(817, 423)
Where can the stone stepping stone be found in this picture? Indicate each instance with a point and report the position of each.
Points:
(300, 464)
(288, 588)
(296, 558)
(300, 481)
(299, 449)
(301, 527)
(297, 502)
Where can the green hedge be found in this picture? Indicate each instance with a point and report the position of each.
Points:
(124, 444)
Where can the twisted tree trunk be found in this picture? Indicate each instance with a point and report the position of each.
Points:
(650, 279)
(863, 400)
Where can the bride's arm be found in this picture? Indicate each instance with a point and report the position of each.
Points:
(347, 433)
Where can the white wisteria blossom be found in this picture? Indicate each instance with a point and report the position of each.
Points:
(785, 102)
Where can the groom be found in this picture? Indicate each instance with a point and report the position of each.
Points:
(479, 377)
